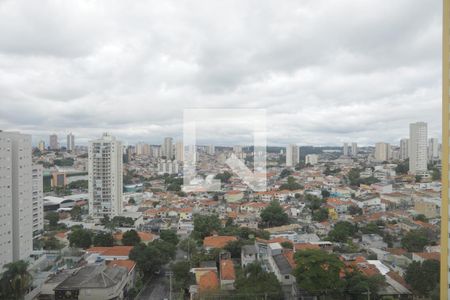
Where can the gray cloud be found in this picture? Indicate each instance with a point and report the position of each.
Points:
(326, 71)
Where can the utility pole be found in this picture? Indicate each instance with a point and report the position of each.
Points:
(170, 273)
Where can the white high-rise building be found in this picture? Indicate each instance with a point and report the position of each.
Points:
(142, 149)
(312, 159)
(433, 149)
(418, 148)
(168, 167)
(211, 150)
(105, 174)
(179, 151)
(404, 149)
(41, 146)
(54, 142)
(354, 149)
(345, 149)
(292, 155)
(167, 148)
(37, 199)
(70, 142)
(382, 151)
(16, 228)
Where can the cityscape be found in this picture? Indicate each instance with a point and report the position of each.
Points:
(239, 150)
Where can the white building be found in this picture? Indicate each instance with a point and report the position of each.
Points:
(433, 149)
(105, 174)
(168, 167)
(211, 150)
(167, 148)
(382, 151)
(70, 142)
(418, 148)
(345, 149)
(404, 149)
(37, 199)
(142, 149)
(292, 155)
(16, 236)
(41, 145)
(312, 159)
(354, 149)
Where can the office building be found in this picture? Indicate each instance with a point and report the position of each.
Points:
(37, 199)
(54, 142)
(382, 151)
(418, 148)
(292, 155)
(167, 148)
(105, 172)
(345, 149)
(70, 142)
(404, 149)
(16, 228)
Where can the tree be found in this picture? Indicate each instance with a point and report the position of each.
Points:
(205, 225)
(320, 215)
(79, 184)
(423, 277)
(342, 231)
(435, 174)
(357, 284)
(421, 217)
(224, 177)
(285, 173)
(291, 185)
(169, 236)
(253, 280)
(355, 210)
(75, 213)
(274, 215)
(103, 239)
(131, 238)
(51, 243)
(325, 194)
(182, 275)
(15, 281)
(81, 238)
(148, 258)
(234, 247)
(52, 218)
(402, 167)
(415, 240)
(318, 272)
(131, 201)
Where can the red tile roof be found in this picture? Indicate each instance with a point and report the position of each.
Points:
(208, 281)
(227, 270)
(217, 241)
(111, 251)
(129, 264)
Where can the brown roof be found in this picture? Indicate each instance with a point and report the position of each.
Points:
(217, 241)
(111, 251)
(129, 264)
(208, 281)
(429, 255)
(305, 246)
(227, 270)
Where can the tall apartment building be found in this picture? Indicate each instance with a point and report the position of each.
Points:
(211, 150)
(179, 151)
(54, 142)
(345, 149)
(16, 236)
(41, 145)
(445, 266)
(404, 149)
(418, 148)
(167, 148)
(105, 172)
(382, 151)
(292, 155)
(354, 149)
(312, 159)
(143, 149)
(70, 142)
(433, 149)
(37, 199)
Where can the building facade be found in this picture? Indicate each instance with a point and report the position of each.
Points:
(54, 142)
(382, 151)
(292, 155)
(37, 199)
(167, 148)
(433, 149)
(105, 174)
(70, 142)
(418, 148)
(404, 149)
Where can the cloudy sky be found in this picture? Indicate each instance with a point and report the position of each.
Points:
(325, 71)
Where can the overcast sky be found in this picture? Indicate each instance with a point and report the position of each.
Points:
(325, 71)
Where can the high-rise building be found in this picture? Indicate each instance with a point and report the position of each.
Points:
(54, 142)
(142, 149)
(345, 149)
(211, 150)
(312, 159)
(445, 267)
(433, 149)
(354, 149)
(167, 148)
(105, 174)
(404, 149)
(418, 148)
(179, 151)
(37, 199)
(292, 155)
(16, 228)
(41, 146)
(70, 142)
(382, 151)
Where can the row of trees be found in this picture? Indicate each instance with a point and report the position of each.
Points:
(84, 238)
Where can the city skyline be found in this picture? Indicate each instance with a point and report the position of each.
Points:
(275, 58)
